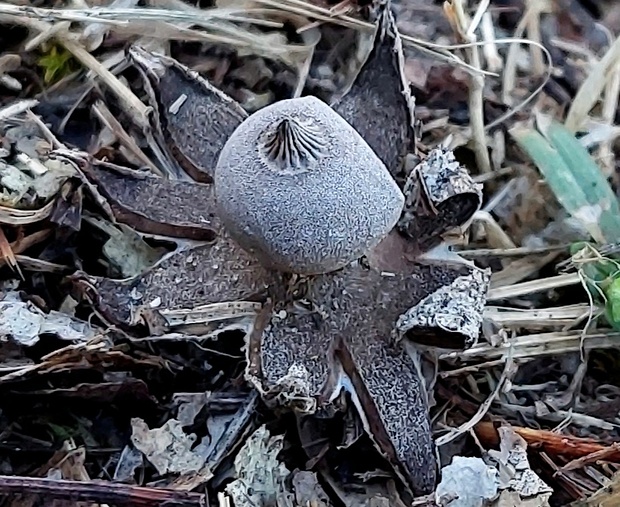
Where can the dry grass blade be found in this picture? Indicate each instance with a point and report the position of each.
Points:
(533, 286)
(16, 109)
(539, 318)
(7, 254)
(466, 28)
(11, 216)
(539, 345)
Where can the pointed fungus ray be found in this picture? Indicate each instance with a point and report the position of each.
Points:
(343, 323)
(379, 104)
(193, 118)
(154, 205)
(208, 274)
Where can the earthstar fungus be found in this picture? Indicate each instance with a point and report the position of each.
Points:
(299, 188)
(334, 327)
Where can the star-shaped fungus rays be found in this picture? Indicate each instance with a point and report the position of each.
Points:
(338, 332)
(311, 336)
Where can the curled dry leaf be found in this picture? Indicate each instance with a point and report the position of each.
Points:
(25, 323)
(125, 250)
(455, 308)
(515, 472)
(193, 119)
(169, 448)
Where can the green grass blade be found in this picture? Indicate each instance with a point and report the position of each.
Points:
(559, 178)
(574, 178)
(584, 168)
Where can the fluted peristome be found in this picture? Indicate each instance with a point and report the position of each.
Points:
(299, 188)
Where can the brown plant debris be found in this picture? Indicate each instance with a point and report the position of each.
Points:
(148, 357)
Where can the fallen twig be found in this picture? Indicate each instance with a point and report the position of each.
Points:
(98, 491)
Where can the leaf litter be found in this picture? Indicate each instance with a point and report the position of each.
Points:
(388, 381)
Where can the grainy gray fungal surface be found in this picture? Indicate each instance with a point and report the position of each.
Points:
(379, 104)
(157, 205)
(207, 274)
(345, 320)
(194, 118)
(299, 190)
(298, 187)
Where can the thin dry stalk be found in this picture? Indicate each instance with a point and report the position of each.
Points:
(491, 54)
(130, 103)
(539, 318)
(16, 109)
(611, 101)
(533, 33)
(482, 410)
(107, 118)
(538, 345)
(533, 286)
(466, 30)
(496, 236)
(533, 11)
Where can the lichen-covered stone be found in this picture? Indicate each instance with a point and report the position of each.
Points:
(299, 188)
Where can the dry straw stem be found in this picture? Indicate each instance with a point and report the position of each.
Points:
(16, 109)
(161, 23)
(517, 270)
(7, 255)
(533, 34)
(168, 23)
(45, 130)
(132, 105)
(611, 99)
(23, 244)
(13, 216)
(496, 236)
(512, 252)
(107, 118)
(562, 316)
(533, 286)
(533, 11)
(491, 54)
(590, 91)
(211, 313)
(304, 8)
(466, 29)
(482, 410)
(538, 345)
